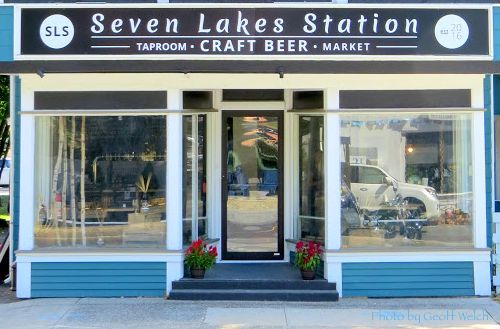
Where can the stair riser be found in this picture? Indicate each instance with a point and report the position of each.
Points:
(202, 284)
(287, 297)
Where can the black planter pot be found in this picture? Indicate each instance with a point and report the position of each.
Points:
(197, 273)
(308, 274)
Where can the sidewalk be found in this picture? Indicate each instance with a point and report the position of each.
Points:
(128, 313)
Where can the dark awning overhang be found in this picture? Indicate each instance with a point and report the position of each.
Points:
(255, 66)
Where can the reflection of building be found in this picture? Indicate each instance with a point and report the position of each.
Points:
(249, 148)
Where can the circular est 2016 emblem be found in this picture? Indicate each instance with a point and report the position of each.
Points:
(451, 31)
(57, 31)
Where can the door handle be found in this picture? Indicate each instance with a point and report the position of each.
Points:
(363, 189)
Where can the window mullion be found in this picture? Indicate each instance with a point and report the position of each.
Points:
(194, 175)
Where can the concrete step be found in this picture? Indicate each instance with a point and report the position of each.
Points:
(256, 294)
(318, 284)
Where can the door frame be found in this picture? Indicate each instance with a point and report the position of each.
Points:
(252, 256)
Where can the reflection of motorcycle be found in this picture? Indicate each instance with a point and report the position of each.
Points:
(352, 216)
(393, 216)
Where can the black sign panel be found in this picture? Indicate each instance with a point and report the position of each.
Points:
(267, 31)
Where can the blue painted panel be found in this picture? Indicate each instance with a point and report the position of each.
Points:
(496, 33)
(6, 33)
(488, 138)
(102, 272)
(102, 266)
(99, 293)
(413, 293)
(84, 279)
(114, 279)
(417, 279)
(15, 130)
(392, 266)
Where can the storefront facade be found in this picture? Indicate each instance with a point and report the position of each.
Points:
(140, 132)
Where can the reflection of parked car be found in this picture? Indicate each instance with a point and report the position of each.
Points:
(5, 178)
(372, 186)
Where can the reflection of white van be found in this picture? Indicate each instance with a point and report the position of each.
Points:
(5, 179)
(372, 186)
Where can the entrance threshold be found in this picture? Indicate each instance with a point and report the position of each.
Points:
(254, 271)
(256, 281)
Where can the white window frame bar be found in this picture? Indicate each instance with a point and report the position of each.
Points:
(194, 177)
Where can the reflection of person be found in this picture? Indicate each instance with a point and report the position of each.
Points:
(315, 183)
(233, 162)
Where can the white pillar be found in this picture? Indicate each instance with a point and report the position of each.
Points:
(23, 279)
(333, 239)
(479, 189)
(482, 278)
(175, 269)
(26, 168)
(174, 172)
(333, 271)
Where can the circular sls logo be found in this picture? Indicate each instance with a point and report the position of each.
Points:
(451, 31)
(57, 31)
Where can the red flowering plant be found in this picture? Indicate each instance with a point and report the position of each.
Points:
(198, 256)
(307, 255)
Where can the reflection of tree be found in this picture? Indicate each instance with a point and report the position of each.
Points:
(267, 155)
(55, 178)
(100, 208)
(82, 183)
(72, 179)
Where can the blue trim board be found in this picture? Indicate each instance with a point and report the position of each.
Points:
(496, 33)
(488, 137)
(94, 279)
(420, 279)
(6, 33)
(15, 131)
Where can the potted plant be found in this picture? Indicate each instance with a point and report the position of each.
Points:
(199, 258)
(143, 185)
(307, 259)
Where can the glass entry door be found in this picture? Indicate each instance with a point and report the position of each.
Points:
(252, 185)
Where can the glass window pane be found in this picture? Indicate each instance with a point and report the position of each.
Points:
(311, 221)
(194, 184)
(202, 178)
(187, 179)
(252, 159)
(406, 180)
(100, 182)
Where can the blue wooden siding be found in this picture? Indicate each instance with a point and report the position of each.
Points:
(15, 130)
(488, 144)
(120, 279)
(496, 33)
(408, 279)
(6, 33)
